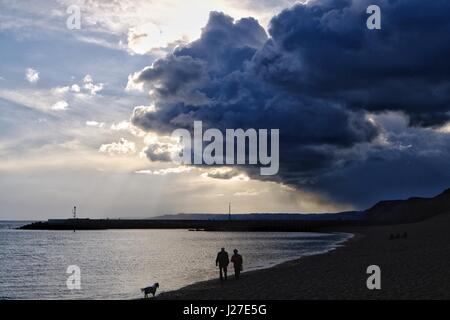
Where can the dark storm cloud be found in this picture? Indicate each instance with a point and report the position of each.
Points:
(217, 67)
(315, 78)
(416, 166)
(174, 79)
(158, 152)
(324, 50)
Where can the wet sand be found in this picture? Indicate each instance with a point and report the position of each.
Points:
(417, 267)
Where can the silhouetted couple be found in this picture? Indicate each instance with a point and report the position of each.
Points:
(222, 261)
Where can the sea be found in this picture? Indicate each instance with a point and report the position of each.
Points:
(115, 264)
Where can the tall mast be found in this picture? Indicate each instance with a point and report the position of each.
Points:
(229, 210)
(74, 211)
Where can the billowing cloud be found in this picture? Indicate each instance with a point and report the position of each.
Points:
(319, 77)
(89, 85)
(31, 75)
(123, 147)
(65, 89)
(225, 173)
(126, 126)
(60, 105)
(159, 152)
(93, 123)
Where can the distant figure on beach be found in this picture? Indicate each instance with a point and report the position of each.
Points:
(222, 261)
(237, 263)
(398, 236)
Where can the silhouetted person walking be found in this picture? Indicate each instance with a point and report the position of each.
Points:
(222, 261)
(237, 262)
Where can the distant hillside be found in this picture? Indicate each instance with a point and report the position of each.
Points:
(349, 215)
(384, 212)
(410, 210)
(389, 211)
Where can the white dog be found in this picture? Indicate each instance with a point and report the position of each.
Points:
(150, 289)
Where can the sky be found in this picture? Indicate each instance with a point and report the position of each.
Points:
(86, 114)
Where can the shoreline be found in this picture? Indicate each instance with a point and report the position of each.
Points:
(352, 238)
(338, 245)
(407, 269)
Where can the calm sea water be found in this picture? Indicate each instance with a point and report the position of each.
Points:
(116, 263)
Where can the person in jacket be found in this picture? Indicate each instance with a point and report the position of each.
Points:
(237, 263)
(222, 262)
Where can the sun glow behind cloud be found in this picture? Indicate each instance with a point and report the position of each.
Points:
(139, 26)
(66, 106)
(83, 147)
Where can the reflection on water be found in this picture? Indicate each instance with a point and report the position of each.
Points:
(116, 263)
